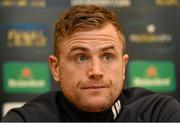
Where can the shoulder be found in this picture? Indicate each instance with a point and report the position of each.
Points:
(46, 97)
(150, 106)
(41, 108)
(138, 94)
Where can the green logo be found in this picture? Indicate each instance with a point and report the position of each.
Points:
(22, 77)
(157, 76)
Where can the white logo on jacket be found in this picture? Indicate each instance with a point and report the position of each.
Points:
(116, 109)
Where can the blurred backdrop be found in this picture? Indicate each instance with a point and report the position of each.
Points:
(152, 30)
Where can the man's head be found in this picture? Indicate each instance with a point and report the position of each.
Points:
(89, 61)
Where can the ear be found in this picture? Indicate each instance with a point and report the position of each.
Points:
(54, 66)
(125, 61)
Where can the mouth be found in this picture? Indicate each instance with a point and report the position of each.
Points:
(94, 87)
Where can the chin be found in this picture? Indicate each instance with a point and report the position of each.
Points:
(96, 105)
(96, 108)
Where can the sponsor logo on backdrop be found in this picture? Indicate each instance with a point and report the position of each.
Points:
(23, 3)
(109, 3)
(167, 3)
(146, 36)
(25, 35)
(9, 105)
(21, 77)
(158, 76)
(150, 36)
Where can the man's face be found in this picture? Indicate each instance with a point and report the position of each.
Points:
(91, 68)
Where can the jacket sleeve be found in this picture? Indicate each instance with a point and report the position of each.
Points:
(173, 111)
(13, 116)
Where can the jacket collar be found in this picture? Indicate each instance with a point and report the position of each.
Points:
(71, 113)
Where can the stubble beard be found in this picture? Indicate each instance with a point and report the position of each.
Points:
(87, 103)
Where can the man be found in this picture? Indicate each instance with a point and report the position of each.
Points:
(89, 65)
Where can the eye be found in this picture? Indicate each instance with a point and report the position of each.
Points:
(107, 57)
(81, 58)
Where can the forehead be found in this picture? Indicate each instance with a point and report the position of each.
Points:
(97, 38)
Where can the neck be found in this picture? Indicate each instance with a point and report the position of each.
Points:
(74, 114)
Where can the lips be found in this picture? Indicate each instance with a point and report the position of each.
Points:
(94, 87)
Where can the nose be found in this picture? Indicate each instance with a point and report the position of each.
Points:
(95, 71)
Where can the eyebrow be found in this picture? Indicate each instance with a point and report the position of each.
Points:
(78, 48)
(108, 47)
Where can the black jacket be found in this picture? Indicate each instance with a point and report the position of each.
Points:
(136, 104)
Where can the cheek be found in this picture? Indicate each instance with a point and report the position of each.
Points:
(68, 81)
(70, 75)
(115, 70)
(115, 73)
